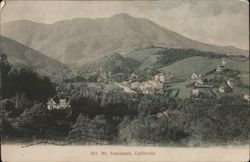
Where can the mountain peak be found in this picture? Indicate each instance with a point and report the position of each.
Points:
(77, 40)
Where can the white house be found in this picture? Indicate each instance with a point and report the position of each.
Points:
(156, 84)
(222, 89)
(199, 82)
(151, 87)
(194, 76)
(230, 83)
(162, 77)
(246, 97)
(223, 62)
(197, 78)
(58, 102)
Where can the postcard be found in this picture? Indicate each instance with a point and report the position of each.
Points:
(129, 81)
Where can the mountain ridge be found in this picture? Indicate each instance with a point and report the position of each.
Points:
(21, 55)
(78, 40)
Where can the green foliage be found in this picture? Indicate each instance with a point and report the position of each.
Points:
(74, 79)
(87, 130)
(98, 109)
(219, 121)
(150, 130)
(173, 55)
(113, 64)
(27, 81)
(4, 70)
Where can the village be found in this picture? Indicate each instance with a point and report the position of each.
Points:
(198, 86)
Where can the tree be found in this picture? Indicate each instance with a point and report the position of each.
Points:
(4, 70)
(28, 82)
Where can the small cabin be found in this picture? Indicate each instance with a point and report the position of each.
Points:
(58, 102)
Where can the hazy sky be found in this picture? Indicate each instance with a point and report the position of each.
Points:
(220, 22)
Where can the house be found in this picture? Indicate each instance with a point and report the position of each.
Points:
(135, 85)
(58, 102)
(169, 114)
(246, 97)
(195, 92)
(222, 89)
(145, 85)
(125, 83)
(162, 77)
(194, 76)
(223, 62)
(156, 84)
(151, 87)
(199, 82)
(148, 90)
(221, 67)
(197, 78)
(109, 74)
(134, 77)
(3, 57)
(160, 115)
(230, 83)
(128, 90)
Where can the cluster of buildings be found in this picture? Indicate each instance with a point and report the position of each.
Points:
(200, 86)
(224, 87)
(154, 86)
(199, 83)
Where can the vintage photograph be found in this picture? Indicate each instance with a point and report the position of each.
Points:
(155, 74)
